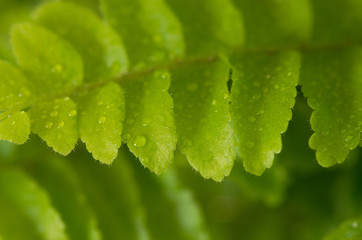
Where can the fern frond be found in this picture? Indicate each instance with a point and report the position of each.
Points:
(179, 55)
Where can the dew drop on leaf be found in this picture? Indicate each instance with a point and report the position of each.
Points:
(54, 114)
(49, 125)
(102, 119)
(61, 124)
(145, 160)
(140, 141)
(73, 113)
(57, 68)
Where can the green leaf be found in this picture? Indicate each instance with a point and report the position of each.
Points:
(150, 130)
(209, 26)
(101, 121)
(100, 47)
(274, 23)
(11, 11)
(6, 149)
(63, 187)
(16, 91)
(263, 94)
(187, 210)
(113, 194)
(14, 224)
(56, 123)
(150, 31)
(50, 63)
(24, 194)
(349, 230)
(270, 188)
(332, 82)
(14, 127)
(202, 116)
(155, 196)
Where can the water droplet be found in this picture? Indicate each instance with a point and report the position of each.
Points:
(140, 141)
(213, 102)
(348, 138)
(20, 95)
(61, 124)
(57, 68)
(355, 224)
(102, 119)
(226, 96)
(73, 113)
(192, 87)
(13, 123)
(49, 125)
(54, 114)
(145, 160)
(256, 97)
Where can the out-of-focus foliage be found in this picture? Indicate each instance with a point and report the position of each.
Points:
(350, 230)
